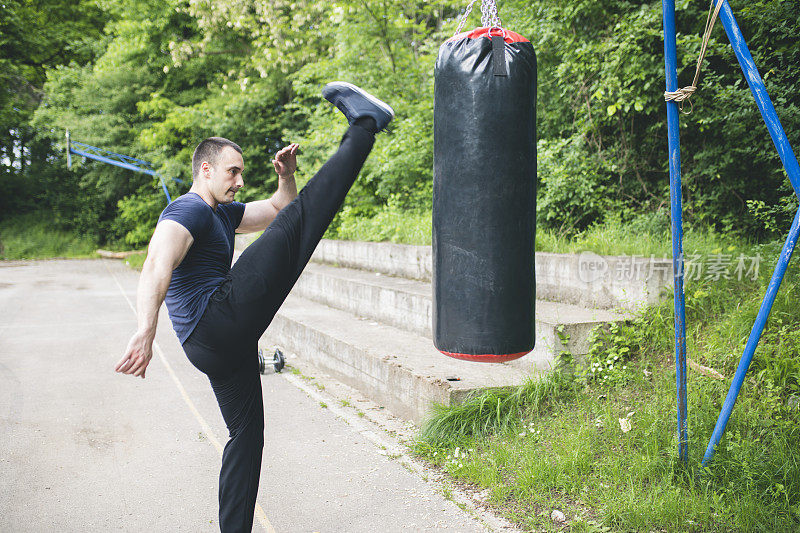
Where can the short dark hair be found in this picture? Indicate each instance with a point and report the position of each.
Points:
(208, 150)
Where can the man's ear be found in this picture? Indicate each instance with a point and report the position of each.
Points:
(205, 169)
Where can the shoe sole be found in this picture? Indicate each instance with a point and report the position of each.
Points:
(381, 104)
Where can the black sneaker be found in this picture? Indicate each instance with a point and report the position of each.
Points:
(356, 103)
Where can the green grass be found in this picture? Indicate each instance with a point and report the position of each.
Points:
(645, 235)
(32, 236)
(616, 238)
(557, 443)
(136, 261)
(389, 224)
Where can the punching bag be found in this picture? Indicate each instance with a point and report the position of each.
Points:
(484, 196)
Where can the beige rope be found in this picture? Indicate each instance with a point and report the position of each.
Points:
(684, 94)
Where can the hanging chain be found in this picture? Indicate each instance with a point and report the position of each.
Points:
(464, 18)
(489, 15)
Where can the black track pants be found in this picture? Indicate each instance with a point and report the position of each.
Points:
(224, 345)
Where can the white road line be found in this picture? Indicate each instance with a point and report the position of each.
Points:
(260, 514)
(355, 422)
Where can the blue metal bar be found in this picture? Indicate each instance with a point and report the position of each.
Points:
(122, 162)
(113, 162)
(112, 155)
(673, 140)
(760, 94)
(793, 170)
(755, 336)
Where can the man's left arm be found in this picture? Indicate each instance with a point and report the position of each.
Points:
(259, 214)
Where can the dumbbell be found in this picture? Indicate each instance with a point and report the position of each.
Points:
(278, 361)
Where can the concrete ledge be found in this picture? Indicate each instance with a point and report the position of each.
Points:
(604, 281)
(585, 279)
(394, 368)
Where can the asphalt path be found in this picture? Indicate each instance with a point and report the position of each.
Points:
(83, 448)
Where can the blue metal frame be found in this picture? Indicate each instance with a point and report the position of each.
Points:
(673, 140)
(119, 160)
(792, 170)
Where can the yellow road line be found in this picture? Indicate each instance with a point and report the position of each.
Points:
(260, 514)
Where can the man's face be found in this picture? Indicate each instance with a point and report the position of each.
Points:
(225, 177)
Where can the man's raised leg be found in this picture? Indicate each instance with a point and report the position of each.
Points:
(268, 269)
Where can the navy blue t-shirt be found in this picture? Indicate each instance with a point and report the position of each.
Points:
(206, 263)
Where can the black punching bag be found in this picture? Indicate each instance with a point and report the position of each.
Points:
(484, 196)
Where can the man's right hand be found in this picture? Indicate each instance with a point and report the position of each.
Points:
(137, 355)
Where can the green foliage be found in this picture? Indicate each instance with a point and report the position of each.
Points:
(151, 79)
(610, 349)
(387, 224)
(136, 261)
(34, 38)
(138, 215)
(601, 108)
(573, 193)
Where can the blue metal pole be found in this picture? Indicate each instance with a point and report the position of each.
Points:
(673, 139)
(69, 155)
(164, 186)
(760, 94)
(755, 336)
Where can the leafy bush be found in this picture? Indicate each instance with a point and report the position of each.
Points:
(138, 216)
(573, 191)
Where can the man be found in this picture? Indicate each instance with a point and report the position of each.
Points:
(219, 312)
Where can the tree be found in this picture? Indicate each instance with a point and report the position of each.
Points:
(35, 37)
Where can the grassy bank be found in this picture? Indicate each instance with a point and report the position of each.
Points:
(563, 442)
(644, 236)
(32, 236)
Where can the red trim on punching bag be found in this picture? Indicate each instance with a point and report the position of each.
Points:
(508, 35)
(487, 357)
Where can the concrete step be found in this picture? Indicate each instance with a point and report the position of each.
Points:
(586, 279)
(395, 368)
(407, 304)
(399, 302)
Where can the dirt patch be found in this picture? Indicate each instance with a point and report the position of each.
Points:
(99, 440)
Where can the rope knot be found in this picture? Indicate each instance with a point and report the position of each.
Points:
(680, 95)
